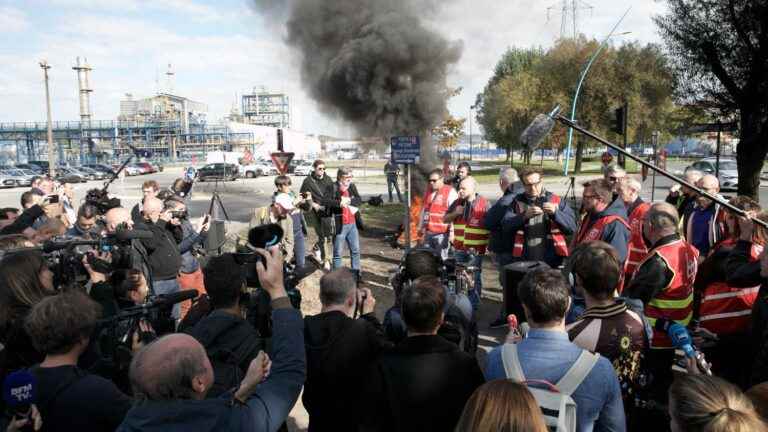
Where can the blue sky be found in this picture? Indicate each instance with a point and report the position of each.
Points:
(218, 49)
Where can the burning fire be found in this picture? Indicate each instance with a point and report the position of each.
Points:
(415, 212)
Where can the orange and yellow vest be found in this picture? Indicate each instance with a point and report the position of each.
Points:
(725, 309)
(557, 237)
(675, 301)
(471, 234)
(434, 210)
(637, 249)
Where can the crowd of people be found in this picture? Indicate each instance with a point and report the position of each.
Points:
(125, 323)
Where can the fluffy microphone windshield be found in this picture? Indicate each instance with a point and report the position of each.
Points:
(539, 128)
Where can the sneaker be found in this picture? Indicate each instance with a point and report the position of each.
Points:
(499, 322)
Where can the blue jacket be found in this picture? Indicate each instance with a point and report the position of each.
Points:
(498, 242)
(264, 411)
(547, 355)
(513, 221)
(615, 233)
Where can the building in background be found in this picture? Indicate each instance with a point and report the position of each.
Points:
(164, 107)
(265, 108)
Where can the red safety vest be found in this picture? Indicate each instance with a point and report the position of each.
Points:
(471, 234)
(637, 249)
(595, 231)
(557, 237)
(725, 309)
(435, 209)
(675, 301)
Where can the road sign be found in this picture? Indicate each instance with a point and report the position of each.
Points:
(406, 149)
(281, 160)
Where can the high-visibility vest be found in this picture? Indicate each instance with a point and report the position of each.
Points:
(675, 301)
(725, 309)
(471, 234)
(637, 249)
(557, 237)
(594, 231)
(435, 208)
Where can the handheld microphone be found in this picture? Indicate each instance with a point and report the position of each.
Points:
(20, 392)
(681, 339)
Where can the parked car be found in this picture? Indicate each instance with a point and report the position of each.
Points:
(728, 173)
(304, 169)
(6, 182)
(147, 167)
(35, 168)
(70, 175)
(92, 174)
(106, 169)
(218, 171)
(43, 166)
(256, 169)
(18, 176)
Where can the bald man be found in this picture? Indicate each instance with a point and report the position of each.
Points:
(704, 224)
(470, 236)
(664, 283)
(163, 249)
(683, 197)
(116, 217)
(173, 375)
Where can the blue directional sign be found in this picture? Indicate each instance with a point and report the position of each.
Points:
(406, 149)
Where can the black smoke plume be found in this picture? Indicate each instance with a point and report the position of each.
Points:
(372, 62)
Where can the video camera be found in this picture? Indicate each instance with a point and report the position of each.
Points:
(100, 199)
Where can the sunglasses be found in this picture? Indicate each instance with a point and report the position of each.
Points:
(320, 168)
(434, 180)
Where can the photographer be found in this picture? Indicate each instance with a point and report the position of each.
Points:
(25, 280)
(340, 350)
(173, 375)
(87, 224)
(229, 340)
(162, 249)
(23, 222)
(69, 398)
(190, 275)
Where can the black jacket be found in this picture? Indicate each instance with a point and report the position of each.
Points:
(318, 188)
(332, 202)
(340, 352)
(162, 249)
(231, 341)
(422, 385)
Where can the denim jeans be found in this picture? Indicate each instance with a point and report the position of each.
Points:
(350, 236)
(392, 183)
(474, 294)
(169, 286)
(438, 243)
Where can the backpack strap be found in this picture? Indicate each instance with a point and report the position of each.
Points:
(578, 371)
(511, 362)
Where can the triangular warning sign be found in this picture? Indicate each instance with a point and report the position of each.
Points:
(281, 160)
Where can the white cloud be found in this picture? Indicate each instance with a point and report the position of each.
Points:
(13, 20)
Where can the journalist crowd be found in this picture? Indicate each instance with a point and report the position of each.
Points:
(619, 314)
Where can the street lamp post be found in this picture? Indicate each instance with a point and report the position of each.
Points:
(51, 155)
(471, 107)
(581, 81)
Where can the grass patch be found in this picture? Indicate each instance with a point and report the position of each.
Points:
(386, 217)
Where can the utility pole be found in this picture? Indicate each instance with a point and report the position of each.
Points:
(51, 155)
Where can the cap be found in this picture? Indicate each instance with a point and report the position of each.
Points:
(284, 200)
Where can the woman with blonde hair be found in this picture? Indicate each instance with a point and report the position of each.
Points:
(700, 403)
(501, 405)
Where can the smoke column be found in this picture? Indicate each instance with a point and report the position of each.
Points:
(372, 62)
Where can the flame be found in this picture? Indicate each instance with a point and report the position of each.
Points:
(415, 212)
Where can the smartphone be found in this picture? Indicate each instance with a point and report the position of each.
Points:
(51, 199)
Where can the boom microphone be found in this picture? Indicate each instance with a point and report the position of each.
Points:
(539, 128)
(20, 392)
(140, 153)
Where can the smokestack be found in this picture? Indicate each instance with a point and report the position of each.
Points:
(83, 72)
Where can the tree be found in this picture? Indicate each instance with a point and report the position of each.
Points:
(449, 132)
(719, 52)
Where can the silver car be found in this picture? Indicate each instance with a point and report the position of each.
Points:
(20, 178)
(728, 174)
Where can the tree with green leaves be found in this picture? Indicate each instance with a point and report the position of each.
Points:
(719, 52)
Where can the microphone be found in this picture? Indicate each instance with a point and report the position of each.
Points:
(167, 300)
(536, 131)
(133, 234)
(140, 153)
(681, 339)
(52, 246)
(20, 392)
(264, 236)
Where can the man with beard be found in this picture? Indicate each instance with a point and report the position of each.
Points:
(606, 218)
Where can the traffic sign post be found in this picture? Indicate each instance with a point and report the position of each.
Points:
(281, 160)
(406, 150)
